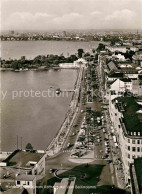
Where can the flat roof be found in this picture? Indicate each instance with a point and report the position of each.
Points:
(25, 177)
(21, 158)
(112, 66)
(132, 120)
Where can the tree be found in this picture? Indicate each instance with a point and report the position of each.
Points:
(87, 54)
(129, 54)
(80, 52)
(16, 65)
(29, 147)
(100, 47)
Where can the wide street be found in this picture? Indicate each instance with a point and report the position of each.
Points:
(62, 159)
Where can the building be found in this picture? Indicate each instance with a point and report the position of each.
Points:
(126, 118)
(26, 181)
(137, 87)
(32, 162)
(119, 57)
(137, 58)
(112, 66)
(136, 176)
(121, 49)
(23, 168)
(76, 64)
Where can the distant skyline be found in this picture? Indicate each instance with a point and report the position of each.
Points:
(47, 15)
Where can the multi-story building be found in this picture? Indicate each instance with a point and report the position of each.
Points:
(126, 117)
(136, 176)
(26, 167)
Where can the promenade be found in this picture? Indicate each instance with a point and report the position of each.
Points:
(59, 141)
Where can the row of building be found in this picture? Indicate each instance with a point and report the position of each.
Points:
(122, 83)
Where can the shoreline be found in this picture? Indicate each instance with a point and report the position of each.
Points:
(42, 69)
(55, 141)
(66, 114)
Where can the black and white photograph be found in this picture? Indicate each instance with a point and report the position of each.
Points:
(71, 97)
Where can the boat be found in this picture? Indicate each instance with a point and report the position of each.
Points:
(58, 91)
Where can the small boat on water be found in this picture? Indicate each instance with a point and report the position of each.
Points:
(58, 91)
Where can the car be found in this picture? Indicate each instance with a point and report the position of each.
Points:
(52, 170)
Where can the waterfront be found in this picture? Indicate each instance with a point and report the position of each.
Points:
(36, 120)
(19, 116)
(31, 49)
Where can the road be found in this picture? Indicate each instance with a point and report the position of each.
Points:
(61, 160)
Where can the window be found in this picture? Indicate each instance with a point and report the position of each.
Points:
(28, 183)
(138, 141)
(133, 149)
(133, 141)
(129, 148)
(18, 182)
(128, 155)
(128, 140)
(138, 149)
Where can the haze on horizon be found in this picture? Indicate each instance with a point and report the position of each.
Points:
(71, 14)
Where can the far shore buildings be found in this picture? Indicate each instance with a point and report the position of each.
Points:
(122, 49)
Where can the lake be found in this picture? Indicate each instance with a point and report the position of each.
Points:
(31, 49)
(34, 118)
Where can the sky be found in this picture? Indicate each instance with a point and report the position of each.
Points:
(70, 14)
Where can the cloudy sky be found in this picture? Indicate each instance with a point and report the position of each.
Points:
(71, 14)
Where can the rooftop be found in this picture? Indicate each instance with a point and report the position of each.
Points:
(127, 79)
(115, 75)
(22, 158)
(132, 120)
(112, 66)
(24, 177)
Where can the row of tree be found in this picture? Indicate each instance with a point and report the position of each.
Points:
(41, 60)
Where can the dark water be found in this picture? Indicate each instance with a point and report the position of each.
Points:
(35, 119)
